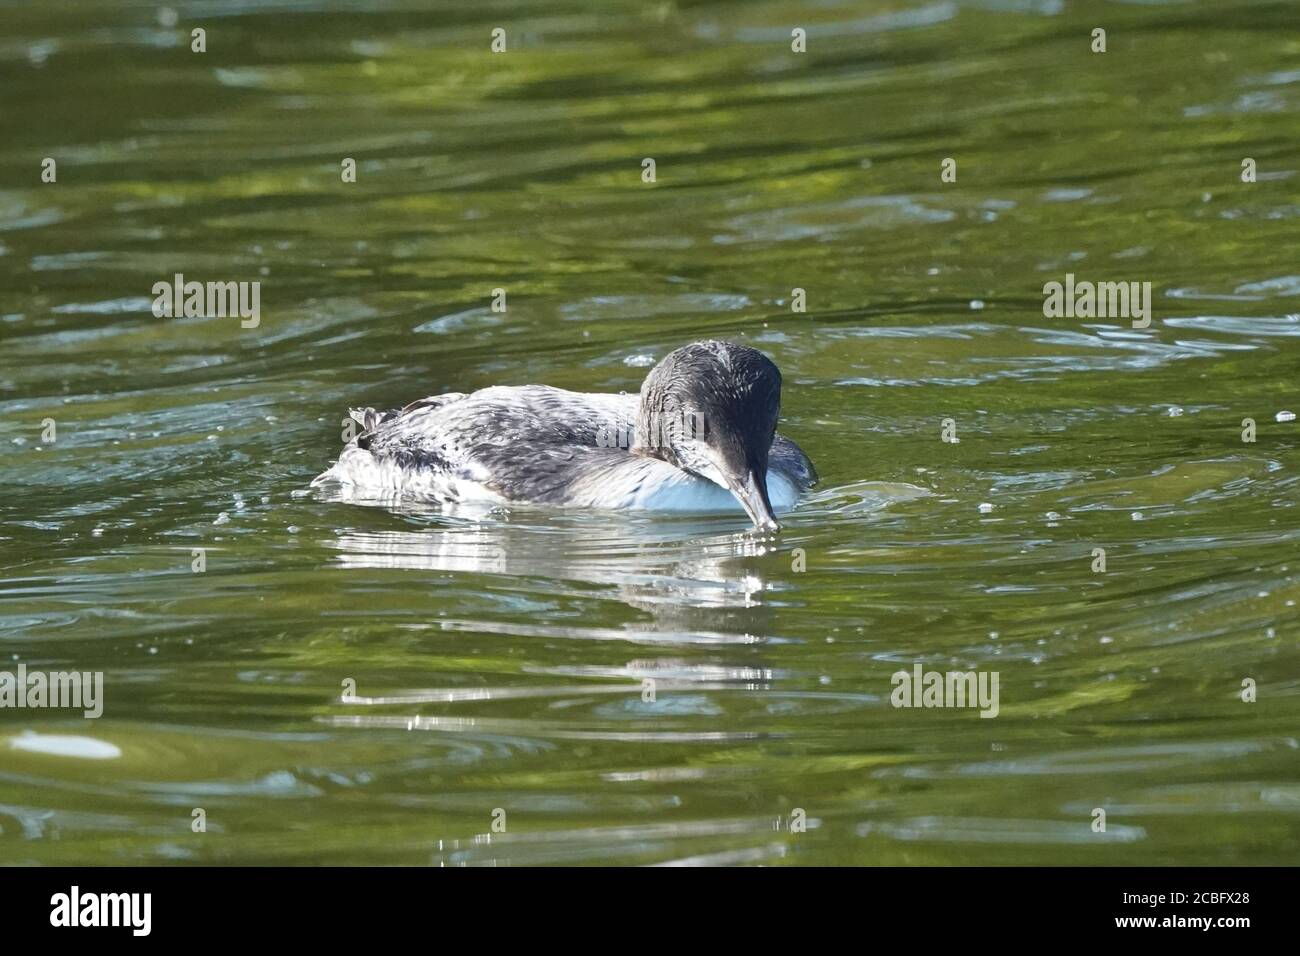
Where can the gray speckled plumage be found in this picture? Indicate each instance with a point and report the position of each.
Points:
(534, 443)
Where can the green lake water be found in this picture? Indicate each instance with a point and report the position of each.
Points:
(498, 659)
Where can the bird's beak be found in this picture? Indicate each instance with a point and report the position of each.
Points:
(751, 492)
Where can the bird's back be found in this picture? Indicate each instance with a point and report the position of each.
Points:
(517, 443)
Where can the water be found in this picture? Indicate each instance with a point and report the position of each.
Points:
(349, 684)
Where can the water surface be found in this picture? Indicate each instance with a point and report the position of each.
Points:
(349, 684)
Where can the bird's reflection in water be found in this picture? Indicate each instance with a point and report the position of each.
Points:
(694, 574)
(696, 581)
(699, 582)
(702, 577)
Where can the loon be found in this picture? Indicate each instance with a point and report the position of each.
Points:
(700, 436)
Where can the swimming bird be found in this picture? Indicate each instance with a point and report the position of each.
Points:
(700, 436)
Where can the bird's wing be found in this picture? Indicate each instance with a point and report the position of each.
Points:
(496, 434)
(789, 459)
